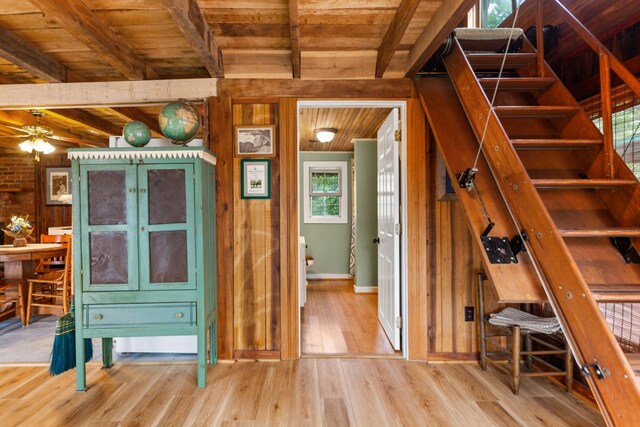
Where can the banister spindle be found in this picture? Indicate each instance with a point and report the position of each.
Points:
(607, 122)
(540, 37)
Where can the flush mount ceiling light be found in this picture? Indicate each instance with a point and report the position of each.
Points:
(325, 135)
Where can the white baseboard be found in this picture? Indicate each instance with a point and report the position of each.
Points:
(328, 276)
(365, 289)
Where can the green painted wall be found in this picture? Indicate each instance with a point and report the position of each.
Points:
(328, 244)
(366, 213)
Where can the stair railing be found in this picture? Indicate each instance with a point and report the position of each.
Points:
(607, 63)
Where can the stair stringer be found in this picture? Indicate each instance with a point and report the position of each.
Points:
(458, 146)
(617, 395)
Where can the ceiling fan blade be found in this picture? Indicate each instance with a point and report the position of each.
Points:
(11, 126)
(67, 139)
(15, 136)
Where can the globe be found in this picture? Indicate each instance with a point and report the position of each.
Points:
(179, 121)
(137, 134)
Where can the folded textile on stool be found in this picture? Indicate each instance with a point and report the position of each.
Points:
(511, 316)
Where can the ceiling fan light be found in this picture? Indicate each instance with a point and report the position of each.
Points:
(47, 148)
(325, 135)
(26, 145)
(39, 144)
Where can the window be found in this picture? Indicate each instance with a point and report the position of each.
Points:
(626, 124)
(496, 11)
(325, 194)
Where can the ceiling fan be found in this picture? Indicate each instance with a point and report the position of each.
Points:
(38, 136)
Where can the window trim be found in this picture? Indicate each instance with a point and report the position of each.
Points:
(341, 167)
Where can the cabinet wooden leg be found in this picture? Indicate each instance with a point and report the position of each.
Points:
(81, 378)
(107, 352)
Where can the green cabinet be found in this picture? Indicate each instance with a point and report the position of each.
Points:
(144, 247)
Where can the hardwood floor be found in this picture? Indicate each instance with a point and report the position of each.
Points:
(308, 392)
(335, 320)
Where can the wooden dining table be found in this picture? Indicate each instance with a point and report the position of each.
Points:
(19, 262)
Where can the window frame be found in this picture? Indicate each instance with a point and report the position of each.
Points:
(339, 166)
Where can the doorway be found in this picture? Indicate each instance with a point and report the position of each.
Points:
(340, 314)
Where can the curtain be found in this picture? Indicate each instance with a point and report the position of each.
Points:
(352, 251)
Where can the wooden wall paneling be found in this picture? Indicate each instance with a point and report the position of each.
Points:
(417, 232)
(453, 264)
(256, 275)
(49, 215)
(288, 154)
(220, 142)
(274, 245)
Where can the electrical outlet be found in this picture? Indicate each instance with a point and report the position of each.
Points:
(468, 313)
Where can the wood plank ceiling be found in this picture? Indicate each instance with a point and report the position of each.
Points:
(350, 123)
(45, 41)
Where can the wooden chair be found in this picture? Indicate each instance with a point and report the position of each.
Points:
(511, 358)
(56, 263)
(11, 299)
(52, 289)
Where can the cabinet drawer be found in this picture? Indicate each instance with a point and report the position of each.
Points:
(140, 315)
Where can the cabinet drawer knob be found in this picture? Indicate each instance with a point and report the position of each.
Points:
(98, 316)
(179, 315)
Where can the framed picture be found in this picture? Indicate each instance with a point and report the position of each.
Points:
(58, 186)
(256, 141)
(256, 179)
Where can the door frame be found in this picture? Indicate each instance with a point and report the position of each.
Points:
(402, 107)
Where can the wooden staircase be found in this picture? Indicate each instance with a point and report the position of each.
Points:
(546, 170)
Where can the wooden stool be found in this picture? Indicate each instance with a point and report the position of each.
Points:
(514, 354)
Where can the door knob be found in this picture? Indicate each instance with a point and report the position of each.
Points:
(376, 240)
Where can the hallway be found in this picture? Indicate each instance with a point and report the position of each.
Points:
(335, 320)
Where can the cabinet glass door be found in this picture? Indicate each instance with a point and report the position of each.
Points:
(109, 243)
(167, 226)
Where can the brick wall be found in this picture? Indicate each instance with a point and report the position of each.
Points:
(17, 171)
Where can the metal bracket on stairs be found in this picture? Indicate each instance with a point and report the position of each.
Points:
(626, 249)
(502, 250)
(601, 372)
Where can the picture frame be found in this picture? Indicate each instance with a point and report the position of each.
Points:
(256, 179)
(58, 186)
(255, 140)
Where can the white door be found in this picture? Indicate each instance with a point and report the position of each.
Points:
(389, 229)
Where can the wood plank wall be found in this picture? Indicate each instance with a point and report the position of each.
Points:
(454, 262)
(50, 215)
(256, 225)
(256, 280)
(248, 239)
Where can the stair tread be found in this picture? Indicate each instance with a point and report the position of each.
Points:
(607, 293)
(582, 183)
(517, 83)
(615, 288)
(601, 232)
(554, 143)
(535, 110)
(494, 60)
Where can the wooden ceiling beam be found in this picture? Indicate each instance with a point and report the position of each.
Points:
(104, 94)
(323, 89)
(394, 35)
(27, 56)
(86, 119)
(136, 114)
(188, 16)
(76, 18)
(444, 20)
(294, 28)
